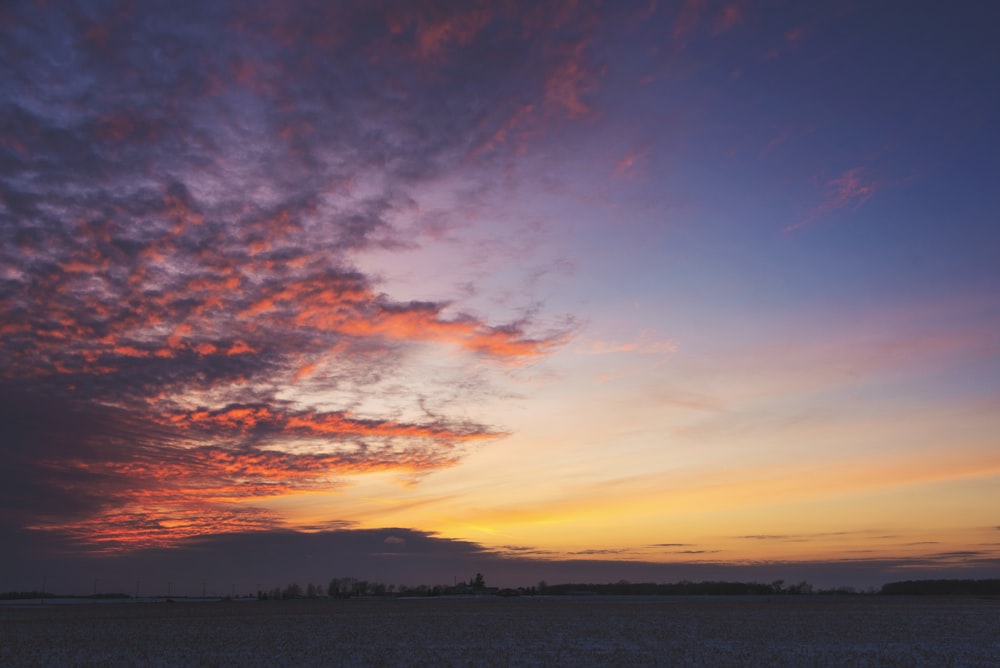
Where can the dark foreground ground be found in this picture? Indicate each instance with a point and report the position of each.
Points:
(790, 631)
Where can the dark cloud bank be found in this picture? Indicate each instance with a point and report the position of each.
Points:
(394, 556)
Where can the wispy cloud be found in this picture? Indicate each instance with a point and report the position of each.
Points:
(806, 537)
(704, 16)
(729, 16)
(568, 85)
(850, 190)
(634, 162)
(647, 342)
(687, 21)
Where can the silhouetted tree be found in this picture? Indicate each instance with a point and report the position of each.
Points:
(801, 588)
(343, 587)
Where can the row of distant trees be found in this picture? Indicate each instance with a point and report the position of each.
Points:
(943, 587)
(338, 588)
(354, 588)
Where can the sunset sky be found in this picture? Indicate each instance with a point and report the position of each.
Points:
(568, 290)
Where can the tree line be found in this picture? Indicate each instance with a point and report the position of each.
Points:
(353, 588)
(943, 588)
(345, 588)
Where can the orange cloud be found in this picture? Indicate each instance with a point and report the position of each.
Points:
(243, 419)
(239, 348)
(129, 351)
(306, 370)
(334, 423)
(225, 310)
(163, 496)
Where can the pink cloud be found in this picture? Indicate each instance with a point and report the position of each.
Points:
(728, 17)
(634, 162)
(851, 189)
(569, 82)
(687, 21)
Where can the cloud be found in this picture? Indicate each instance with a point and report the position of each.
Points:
(524, 551)
(687, 21)
(184, 192)
(568, 85)
(851, 189)
(634, 162)
(797, 34)
(275, 557)
(728, 17)
(435, 34)
(111, 479)
(776, 141)
(807, 537)
(690, 549)
(645, 343)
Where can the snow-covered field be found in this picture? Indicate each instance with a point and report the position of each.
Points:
(792, 631)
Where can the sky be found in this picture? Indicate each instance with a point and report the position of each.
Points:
(561, 290)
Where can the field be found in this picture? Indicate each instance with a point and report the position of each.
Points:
(793, 631)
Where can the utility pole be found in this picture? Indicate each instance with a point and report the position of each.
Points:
(169, 585)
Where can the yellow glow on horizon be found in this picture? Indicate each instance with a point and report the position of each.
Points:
(851, 509)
